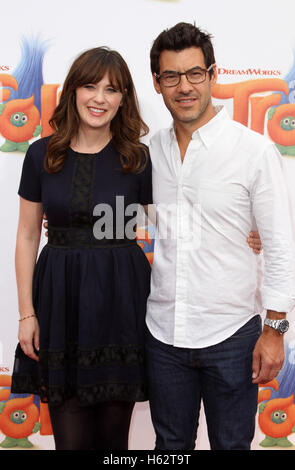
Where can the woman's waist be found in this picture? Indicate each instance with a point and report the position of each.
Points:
(73, 237)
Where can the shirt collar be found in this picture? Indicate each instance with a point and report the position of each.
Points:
(211, 129)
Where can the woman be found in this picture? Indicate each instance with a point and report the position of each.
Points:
(82, 306)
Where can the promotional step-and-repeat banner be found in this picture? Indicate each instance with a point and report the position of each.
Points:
(255, 53)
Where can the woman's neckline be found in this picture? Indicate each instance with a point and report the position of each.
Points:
(91, 153)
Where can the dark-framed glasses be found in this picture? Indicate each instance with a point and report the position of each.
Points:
(195, 76)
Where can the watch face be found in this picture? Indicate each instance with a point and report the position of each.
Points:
(284, 326)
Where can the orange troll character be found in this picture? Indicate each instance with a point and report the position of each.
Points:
(19, 418)
(19, 119)
(281, 128)
(277, 421)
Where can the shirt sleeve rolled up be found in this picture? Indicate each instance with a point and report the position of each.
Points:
(272, 213)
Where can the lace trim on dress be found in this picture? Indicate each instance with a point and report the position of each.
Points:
(87, 395)
(91, 358)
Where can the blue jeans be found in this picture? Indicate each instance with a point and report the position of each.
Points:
(220, 375)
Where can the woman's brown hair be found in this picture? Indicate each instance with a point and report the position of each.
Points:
(126, 127)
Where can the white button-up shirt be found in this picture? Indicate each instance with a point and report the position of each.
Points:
(204, 284)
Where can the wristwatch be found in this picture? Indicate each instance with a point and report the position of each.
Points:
(280, 325)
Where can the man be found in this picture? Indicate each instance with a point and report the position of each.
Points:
(212, 178)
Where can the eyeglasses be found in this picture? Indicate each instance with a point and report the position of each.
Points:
(195, 76)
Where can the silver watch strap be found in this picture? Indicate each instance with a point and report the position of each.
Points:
(272, 323)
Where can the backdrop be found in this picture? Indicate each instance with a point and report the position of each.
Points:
(254, 44)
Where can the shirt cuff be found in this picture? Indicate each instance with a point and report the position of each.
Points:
(273, 300)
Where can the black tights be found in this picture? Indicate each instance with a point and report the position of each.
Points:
(104, 426)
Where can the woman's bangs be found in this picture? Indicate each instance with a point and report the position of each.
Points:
(116, 79)
(95, 71)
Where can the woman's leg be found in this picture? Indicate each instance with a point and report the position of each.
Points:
(72, 426)
(111, 425)
(104, 426)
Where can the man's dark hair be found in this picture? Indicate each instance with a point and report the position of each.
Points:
(178, 38)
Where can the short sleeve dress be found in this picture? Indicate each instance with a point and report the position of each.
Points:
(91, 280)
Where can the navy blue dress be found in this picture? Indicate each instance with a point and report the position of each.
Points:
(89, 294)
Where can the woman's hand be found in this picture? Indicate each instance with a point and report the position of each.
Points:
(254, 242)
(28, 336)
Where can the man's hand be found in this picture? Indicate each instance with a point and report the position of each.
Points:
(254, 242)
(45, 224)
(268, 356)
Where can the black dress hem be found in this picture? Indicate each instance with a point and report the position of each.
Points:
(88, 395)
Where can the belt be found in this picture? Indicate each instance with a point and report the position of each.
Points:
(72, 237)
